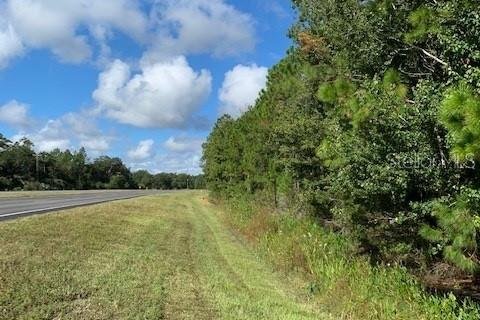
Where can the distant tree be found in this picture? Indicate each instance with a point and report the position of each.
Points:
(103, 169)
(4, 142)
(163, 181)
(118, 181)
(17, 163)
(22, 168)
(143, 179)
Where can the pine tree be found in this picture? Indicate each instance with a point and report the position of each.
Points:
(456, 230)
(460, 114)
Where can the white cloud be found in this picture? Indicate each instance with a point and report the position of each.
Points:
(52, 136)
(96, 145)
(10, 44)
(179, 163)
(15, 114)
(82, 127)
(55, 25)
(164, 95)
(101, 34)
(277, 9)
(143, 151)
(200, 26)
(72, 130)
(70, 28)
(241, 88)
(171, 162)
(183, 144)
(180, 154)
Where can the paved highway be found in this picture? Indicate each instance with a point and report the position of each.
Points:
(25, 204)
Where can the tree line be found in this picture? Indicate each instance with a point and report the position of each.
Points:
(21, 168)
(370, 123)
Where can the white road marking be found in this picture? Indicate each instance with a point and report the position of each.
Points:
(43, 210)
(70, 206)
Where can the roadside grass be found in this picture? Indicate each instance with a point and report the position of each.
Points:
(167, 257)
(90, 264)
(244, 287)
(345, 285)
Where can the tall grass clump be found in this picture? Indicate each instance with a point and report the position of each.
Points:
(344, 282)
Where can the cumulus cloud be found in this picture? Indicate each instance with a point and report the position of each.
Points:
(143, 151)
(70, 28)
(10, 44)
(15, 114)
(96, 145)
(72, 130)
(83, 128)
(183, 144)
(163, 95)
(200, 26)
(55, 25)
(180, 163)
(179, 154)
(241, 88)
(52, 136)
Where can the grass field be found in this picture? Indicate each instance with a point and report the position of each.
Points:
(166, 257)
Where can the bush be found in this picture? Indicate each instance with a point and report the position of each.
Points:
(118, 182)
(5, 183)
(457, 224)
(346, 284)
(33, 186)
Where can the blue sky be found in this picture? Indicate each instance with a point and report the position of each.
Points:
(142, 80)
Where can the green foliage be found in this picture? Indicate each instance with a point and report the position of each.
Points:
(344, 283)
(223, 156)
(368, 120)
(456, 230)
(373, 159)
(111, 173)
(327, 93)
(167, 181)
(424, 23)
(339, 89)
(460, 114)
(344, 88)
(391, 78)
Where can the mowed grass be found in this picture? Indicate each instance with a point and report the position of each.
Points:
(159, 257)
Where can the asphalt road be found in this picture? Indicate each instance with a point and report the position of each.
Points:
(25, 205)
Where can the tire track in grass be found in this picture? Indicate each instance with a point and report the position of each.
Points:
(243, 286)
(186, 298)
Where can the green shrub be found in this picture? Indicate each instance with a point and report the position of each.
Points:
(460, 114)
(343, 282)
(33, 186)
(456, 230)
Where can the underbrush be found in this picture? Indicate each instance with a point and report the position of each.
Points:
(346, 284)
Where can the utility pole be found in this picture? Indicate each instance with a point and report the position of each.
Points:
(37, 167)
